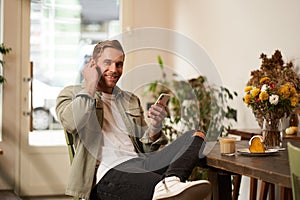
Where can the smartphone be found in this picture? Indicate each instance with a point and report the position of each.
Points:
(163, 98)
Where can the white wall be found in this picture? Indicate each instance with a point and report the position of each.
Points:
(233, 33)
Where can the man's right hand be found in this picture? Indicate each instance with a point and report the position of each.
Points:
(91, 76)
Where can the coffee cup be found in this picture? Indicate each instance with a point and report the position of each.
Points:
(227, 146)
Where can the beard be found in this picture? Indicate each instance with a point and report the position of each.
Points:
(108, 82)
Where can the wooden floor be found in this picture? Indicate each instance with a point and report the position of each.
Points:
(9, 195)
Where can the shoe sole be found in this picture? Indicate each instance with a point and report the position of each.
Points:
(195, 192)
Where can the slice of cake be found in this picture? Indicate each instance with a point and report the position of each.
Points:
(256, 144)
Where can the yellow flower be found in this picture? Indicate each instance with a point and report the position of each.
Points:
(247, 98)
(264, 79)
(284, 91)
(255, 92)
(263, 96)
(275, 91)
(294, 101)
(248, 88)
(293, 90)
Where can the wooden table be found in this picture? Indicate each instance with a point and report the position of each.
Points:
(246, 134)
(271, 169)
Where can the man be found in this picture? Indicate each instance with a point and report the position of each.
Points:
(114, 142)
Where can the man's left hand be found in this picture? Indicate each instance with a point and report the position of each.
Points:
(157, 114)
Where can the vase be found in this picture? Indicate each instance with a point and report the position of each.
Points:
(272, 133)
(294, 121)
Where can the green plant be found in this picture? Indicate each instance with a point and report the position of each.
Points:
(194, 104)
(3, 50)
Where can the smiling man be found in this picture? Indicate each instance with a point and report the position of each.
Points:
(116, 151)
(106, 65)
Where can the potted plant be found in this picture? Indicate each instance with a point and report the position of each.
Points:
(3, 50)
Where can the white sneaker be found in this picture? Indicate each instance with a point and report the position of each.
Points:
(172, 188)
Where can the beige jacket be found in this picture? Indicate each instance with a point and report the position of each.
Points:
(78, 111)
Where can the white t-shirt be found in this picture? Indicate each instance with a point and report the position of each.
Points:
(117, 146)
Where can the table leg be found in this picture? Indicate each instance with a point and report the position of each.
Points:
(236, 186)
(285, 193)
(264, 190)
(253, 188)
(221, 184)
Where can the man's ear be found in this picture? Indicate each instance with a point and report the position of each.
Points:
(93, 60)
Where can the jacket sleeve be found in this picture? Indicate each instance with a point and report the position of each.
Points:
(150, 145)
(74, 107)
(147, 143)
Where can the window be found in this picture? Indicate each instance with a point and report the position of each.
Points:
(63, 33)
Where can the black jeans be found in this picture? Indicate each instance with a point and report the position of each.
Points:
(136, 178)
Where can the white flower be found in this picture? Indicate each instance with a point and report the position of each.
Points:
(264, 88)
(273, 99)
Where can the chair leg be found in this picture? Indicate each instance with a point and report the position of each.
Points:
(264, 190)
(272, 192)
(236, 186)
(253, 188)
(285, 193)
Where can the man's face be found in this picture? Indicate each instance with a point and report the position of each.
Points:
(110, 63)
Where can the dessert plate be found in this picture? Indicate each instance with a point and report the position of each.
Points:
(246, 152)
